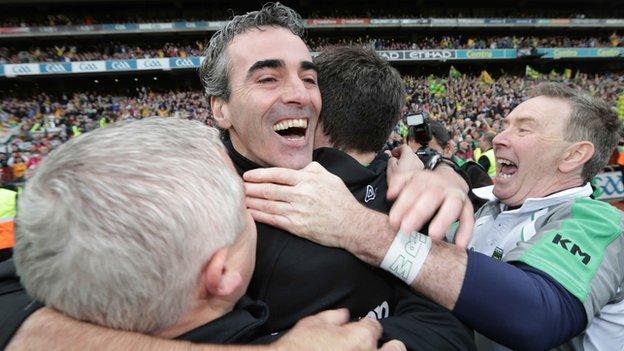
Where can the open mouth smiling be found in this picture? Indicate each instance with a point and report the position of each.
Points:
(505, 168)
(293, 129)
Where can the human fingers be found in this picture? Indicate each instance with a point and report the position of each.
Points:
(466, 225)
(274, 220)
(276, 175)
(367, 331)
(268, 206)
(270, 191)
(393, 345)
(449, 212)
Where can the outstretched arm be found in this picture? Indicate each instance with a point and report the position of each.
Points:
(329, 330)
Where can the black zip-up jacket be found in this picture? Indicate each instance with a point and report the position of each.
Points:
(297, 278)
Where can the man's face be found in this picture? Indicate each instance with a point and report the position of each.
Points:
(275, 100)
(529, 150)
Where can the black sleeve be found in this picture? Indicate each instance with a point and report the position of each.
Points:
(15, 304)
(484, 162)
(422, 324)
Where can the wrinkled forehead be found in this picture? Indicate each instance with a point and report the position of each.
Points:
(266, 43)
(541, 111)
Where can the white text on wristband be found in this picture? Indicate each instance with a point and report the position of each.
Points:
(407, 255)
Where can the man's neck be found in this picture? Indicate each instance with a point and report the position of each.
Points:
(203, 313)
(555, 188)
(364, 158)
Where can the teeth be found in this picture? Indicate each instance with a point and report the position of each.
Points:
(291, 123)
(502, 161)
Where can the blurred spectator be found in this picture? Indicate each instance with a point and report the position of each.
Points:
(18, 164)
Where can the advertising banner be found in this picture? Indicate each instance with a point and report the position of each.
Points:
(88, 66)
(55, 67)
(121, 65)
(24, 69)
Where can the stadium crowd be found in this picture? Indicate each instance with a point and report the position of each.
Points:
(120, 51)
(467, 42)
(189, 13)
(45, 122)
(108, 51)
(467, 105)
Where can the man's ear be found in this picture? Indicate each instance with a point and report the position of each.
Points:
(576, 156)
(220, 112)
(217, 280)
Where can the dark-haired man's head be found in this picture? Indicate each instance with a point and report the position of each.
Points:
(362, 99)
(262, 86)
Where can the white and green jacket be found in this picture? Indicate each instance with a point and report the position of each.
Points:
(574, 239)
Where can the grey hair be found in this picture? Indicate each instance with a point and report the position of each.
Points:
(214, 71)
(116, 225)
(591, 119)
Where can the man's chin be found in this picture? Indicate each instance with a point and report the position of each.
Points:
(502, 192)
(293, 162)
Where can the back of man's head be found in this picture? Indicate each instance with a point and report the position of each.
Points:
(116, 225)
(214, 72)
(362, 98)
(591, 119)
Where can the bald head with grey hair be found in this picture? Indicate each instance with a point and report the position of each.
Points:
(214, 71)
(116, 225)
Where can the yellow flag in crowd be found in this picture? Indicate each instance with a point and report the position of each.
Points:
(567, 73)
(486, 78)
(454, 73)
(531, 73)
(620, 106)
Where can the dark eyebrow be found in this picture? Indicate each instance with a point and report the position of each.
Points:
(307, 65)
(270, 63)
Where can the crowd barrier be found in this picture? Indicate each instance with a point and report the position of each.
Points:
(173, 63)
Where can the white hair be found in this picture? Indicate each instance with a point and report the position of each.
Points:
(116, 225)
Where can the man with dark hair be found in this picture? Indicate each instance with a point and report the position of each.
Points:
(362, 100)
